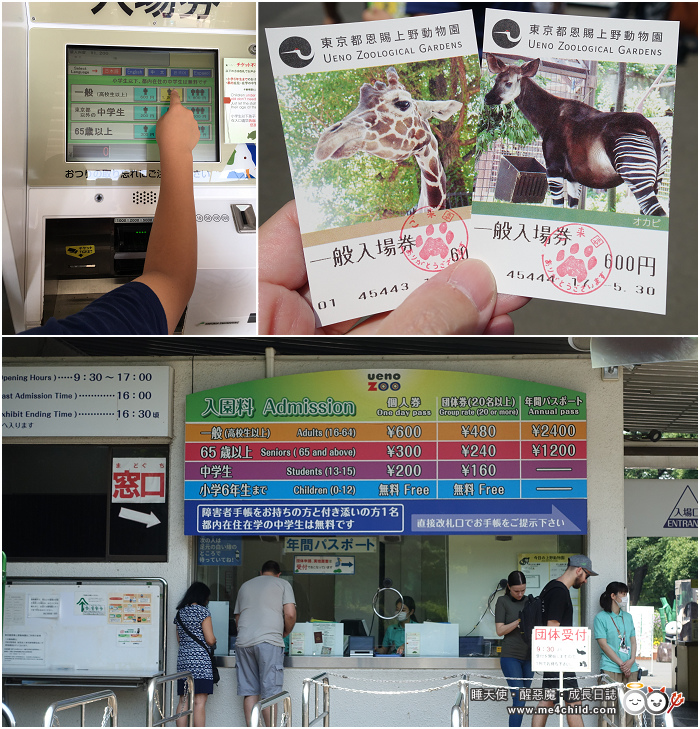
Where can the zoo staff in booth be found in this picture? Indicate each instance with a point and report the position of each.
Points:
(265, 613)
(395, 636)
(154, 302)
(559, 610)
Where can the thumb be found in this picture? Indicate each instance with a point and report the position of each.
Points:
(458, 300)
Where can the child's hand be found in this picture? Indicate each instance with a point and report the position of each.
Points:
(177, 130)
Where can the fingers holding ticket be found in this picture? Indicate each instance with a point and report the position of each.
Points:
(460, 299)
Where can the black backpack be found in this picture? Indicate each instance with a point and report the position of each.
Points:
(532, 615)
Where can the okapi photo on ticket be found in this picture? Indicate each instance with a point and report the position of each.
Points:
(601, 130)
(380, 142)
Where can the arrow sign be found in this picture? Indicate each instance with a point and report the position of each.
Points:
(478, 523)
(148, 519)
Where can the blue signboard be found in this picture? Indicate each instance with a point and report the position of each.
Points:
(386, 452)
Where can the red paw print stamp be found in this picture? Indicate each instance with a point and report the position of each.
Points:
(574, 259)
(437, 243)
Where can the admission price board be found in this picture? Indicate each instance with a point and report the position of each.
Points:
(386, 452)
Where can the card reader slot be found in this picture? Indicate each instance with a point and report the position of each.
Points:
(131, 237)
(244, 218)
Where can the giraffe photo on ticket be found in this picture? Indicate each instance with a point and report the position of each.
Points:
(380, 125)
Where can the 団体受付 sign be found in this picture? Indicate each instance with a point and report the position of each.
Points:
(555, 648)
(386, 452)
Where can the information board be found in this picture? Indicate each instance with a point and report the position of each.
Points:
(94, 401)
(539, 569)
(83, 628)
(386, 452)
(643, 618)
(561, 649)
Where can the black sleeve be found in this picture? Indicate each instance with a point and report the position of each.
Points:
(557, 604)
(133, 308)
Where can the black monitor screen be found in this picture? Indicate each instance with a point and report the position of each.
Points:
(115, 96)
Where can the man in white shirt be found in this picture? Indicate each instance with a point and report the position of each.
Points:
(265, 613)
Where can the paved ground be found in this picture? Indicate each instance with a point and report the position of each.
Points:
(660, 674)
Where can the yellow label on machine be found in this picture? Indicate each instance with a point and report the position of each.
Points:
(80, 251)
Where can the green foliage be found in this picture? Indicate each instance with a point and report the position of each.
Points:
(504, 121)
(668, 559)
(647, 71)
(365, 188)
(639, 78)
(663, 473)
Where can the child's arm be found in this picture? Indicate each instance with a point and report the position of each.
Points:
(170, 268)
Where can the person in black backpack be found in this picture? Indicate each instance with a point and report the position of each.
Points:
(559, 610)
(515, 653)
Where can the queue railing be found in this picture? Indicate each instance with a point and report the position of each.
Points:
(157, 689)
(8, 714)
(460, 709)
(273, 704)
(320, 682)
(110, 712)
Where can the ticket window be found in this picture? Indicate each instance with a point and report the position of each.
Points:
(415, 565)
(99, 78)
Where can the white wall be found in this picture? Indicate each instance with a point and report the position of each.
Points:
(14, 150)
(606, 539)
(477, 563)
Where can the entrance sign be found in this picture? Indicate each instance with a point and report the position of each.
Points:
(661, 507)
(77, 401)
(386, 452)
(561, 649)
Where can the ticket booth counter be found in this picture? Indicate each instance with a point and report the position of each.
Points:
(82, 165)
(453, 580)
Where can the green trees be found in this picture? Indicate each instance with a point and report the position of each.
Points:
(654, 565)
(365, 188)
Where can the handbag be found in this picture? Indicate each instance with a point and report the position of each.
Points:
(207, 648)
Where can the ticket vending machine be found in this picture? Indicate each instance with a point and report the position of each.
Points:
(83, 86)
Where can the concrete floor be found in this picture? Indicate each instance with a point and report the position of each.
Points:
(539, 316)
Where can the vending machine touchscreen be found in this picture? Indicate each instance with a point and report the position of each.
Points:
(81, 162)
(115, 96)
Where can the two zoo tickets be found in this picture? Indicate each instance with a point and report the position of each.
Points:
(549, 160)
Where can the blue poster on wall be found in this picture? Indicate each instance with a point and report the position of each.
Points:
(219, 551)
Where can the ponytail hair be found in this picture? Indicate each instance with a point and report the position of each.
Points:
(515, 578)
(612, 589)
